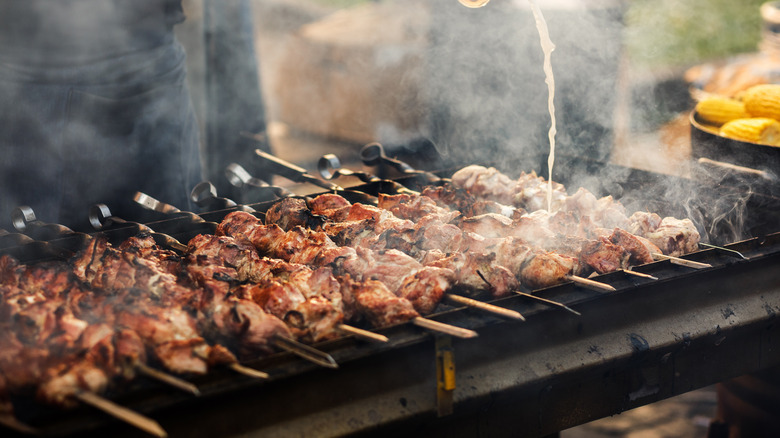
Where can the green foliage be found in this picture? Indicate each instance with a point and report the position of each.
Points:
(685, 32)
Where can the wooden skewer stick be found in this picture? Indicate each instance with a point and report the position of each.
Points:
(590, 284)
(134, 418)
(441, 327)
(9, 421)
(639, 274)
(249, 372)
(240, 369)
(681, 262)
(549, 302)
(166, 378)
(363, 334)
(497, 310)
(304, 351)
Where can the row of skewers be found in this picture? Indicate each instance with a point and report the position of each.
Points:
(314, 270)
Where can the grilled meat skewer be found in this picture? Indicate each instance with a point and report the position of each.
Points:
(606, 250)
(377, 304)
(391, 267)
(674, 236)
(474, 257)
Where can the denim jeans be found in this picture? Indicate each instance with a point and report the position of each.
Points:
(71, 137)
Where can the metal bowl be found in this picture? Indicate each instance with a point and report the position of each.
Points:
(707, 143)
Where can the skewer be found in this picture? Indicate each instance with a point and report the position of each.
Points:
(153, 204)
(373, 154)
(726, 250)
(590, 284)
(242, 179)
(441, 327)
(639, 274)
(549, 302)
(100, 216)
(249, 372)
(12, 423)
(497, 310)
(304, 351)
(144, 423)
(363, 334)
(241, 369)
(681, 262)
(293, 172)
(330, 168)
(167, 379)
(748, 170)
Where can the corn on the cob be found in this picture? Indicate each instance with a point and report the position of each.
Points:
(754, 130)
(763, 101)
(717, 110)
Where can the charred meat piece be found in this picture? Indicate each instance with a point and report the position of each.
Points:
(544, 269)
(639, 248)
(308, 301)
(604, 256)
(376, 303)
(675, 237)
(288, 213)
(479, 272)
(426, 288)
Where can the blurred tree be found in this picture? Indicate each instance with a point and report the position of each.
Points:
(686, 32)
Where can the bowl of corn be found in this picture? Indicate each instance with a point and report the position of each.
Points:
(742, 130)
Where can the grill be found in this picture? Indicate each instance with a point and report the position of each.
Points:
(650, 340)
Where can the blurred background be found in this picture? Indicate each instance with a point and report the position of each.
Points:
(310, 77)
(333, 75)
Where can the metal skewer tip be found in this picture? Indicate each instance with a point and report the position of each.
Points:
(590, 284)
(133, 418)
(304, 351)
(496, 310)
(167, 379)
(681, 262)
(446, 329)
(363, 334)
(549, 302)
(726, 250)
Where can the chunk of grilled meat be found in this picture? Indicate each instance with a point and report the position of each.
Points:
(308, 300)
(456, 198)
(390, 267)
(376, 303)
(292, 212)
(429, 232)
(221, 318)
(674, 237)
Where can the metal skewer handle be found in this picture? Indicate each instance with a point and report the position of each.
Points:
(292, 172)
(373, 154)
(239, 177)
(329, 167)
(100, 217)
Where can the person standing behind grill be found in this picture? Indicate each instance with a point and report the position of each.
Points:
(93, 107)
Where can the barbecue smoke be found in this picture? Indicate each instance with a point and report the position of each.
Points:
(92, 109)
(487, 96)
(486, 85)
